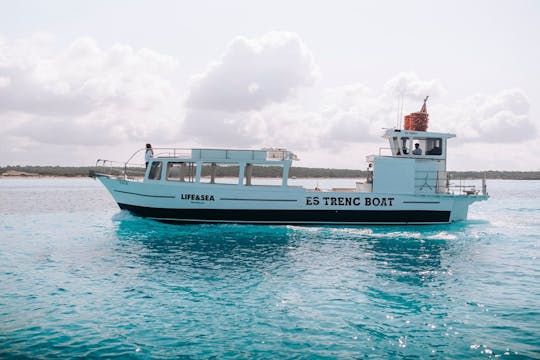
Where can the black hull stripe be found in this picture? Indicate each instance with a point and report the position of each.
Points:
(291, 216)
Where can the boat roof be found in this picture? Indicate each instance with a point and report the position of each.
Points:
(227, 155)
(389, 133)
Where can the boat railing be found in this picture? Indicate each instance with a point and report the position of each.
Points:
(431, 181)
(172, 153)
(162, 152)
(127, 171)
(467, 186)
(268, 154)
(135, 171)
(441, 182)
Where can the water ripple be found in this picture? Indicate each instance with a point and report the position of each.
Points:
(82, 279)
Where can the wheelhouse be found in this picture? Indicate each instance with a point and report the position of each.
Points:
(402, 143)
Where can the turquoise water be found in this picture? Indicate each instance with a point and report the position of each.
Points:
(79, 278)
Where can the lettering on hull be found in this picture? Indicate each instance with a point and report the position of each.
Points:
(349, 201)
(197, 197)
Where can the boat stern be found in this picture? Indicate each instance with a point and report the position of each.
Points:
(460, 209)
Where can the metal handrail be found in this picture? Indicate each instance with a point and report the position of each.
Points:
(468, 189)
(444, 184)
(432, 180)
(272, 154)
(120, 169)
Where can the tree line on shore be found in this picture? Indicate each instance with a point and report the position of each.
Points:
(266, 171)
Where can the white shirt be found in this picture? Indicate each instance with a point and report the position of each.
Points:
(148, 155)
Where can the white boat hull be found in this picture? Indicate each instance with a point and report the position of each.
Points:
(176, 202)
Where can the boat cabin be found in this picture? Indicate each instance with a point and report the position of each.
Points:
(403, 143)
(414, 163)
(218, 166)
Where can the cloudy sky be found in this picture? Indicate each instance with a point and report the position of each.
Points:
(98, 79)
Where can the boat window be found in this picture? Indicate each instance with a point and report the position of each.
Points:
(155, 171)
(220, 173)
(429, 146)
(181, 171)
(405, 145)
(395, 147)
(434, 146)
(256, 174)
(421, 145)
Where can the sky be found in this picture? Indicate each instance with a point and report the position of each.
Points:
(82, 80)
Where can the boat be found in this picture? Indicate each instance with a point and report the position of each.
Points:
(205, 185)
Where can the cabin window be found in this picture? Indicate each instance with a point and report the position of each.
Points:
(429, 146)
(434, 146)
(220, 173)
(181, 171)
(155, 171)
(395, 146)
(256, 174)
(405, 146)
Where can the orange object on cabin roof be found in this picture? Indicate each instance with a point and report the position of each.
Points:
(418, 121)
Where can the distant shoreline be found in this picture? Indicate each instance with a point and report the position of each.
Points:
(28, 172)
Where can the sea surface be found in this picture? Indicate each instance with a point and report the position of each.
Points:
(80, 278)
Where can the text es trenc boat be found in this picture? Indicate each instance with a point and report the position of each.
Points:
(222, 186)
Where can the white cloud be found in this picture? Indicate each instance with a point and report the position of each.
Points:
(357, 113)
(245, 98)
(219, 128)
(253, 73)
(352, 113)
(408, 85)
(289, 125)
(4, 81)
(499, 118)
(84, 94)
(276, 125)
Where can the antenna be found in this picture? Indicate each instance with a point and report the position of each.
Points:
(398, 121)
(401, 110)
(401, 101)
(424, 109)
